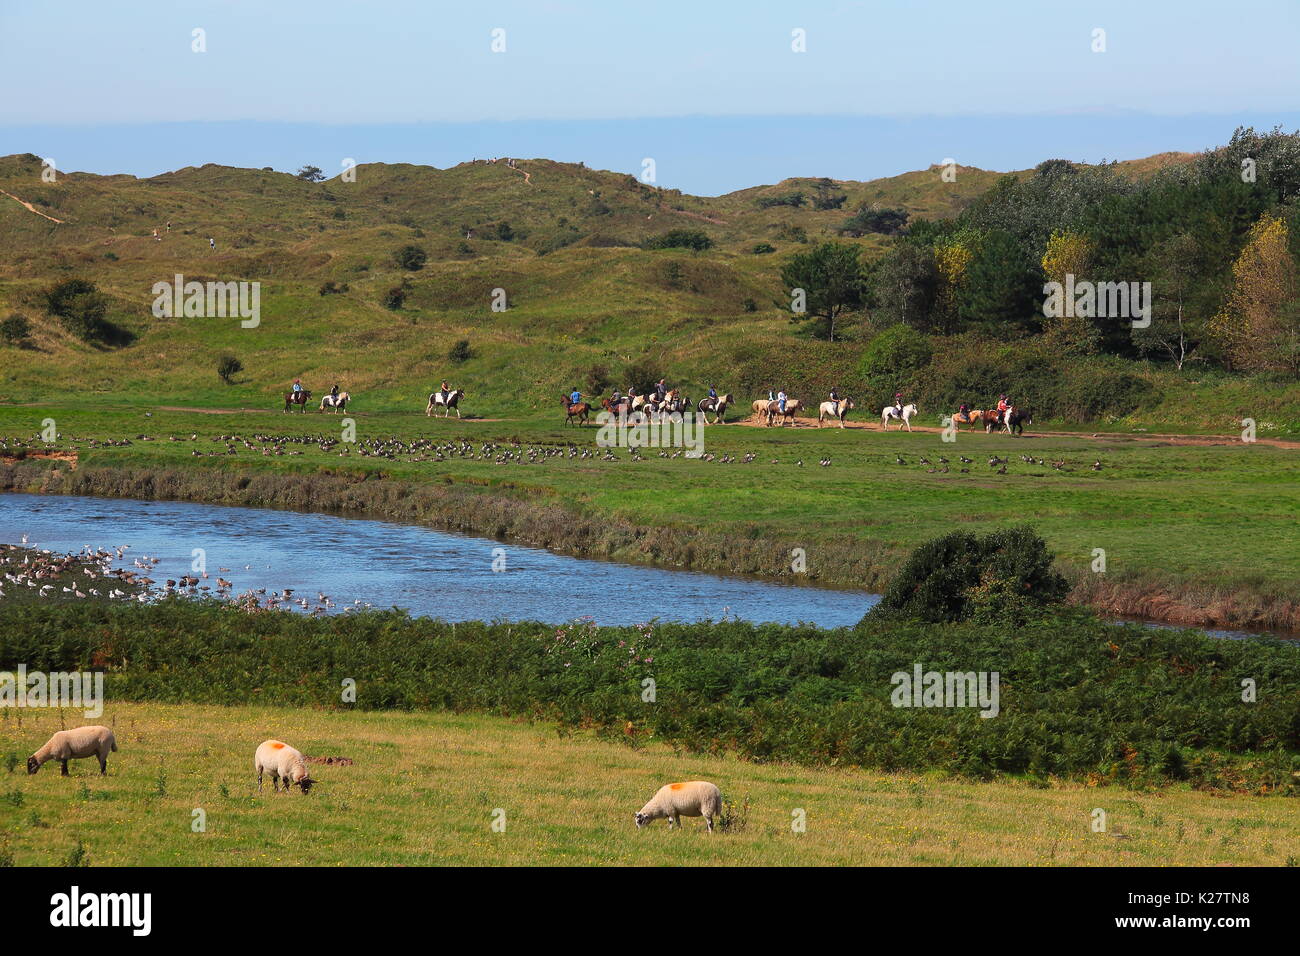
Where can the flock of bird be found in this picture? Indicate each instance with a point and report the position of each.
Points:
(999, 465)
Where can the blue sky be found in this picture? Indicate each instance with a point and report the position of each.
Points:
(884, 85)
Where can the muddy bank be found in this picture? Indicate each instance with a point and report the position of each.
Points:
(544, 521)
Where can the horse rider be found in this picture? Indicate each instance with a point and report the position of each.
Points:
(297, 385)
(575, 397)
(780, 400)
(964, 411)
(444, 390)
(1004, 405)
(835, 400)
(713, 397)
(661, 392)
(614, 401)
(898, 403)
(334, 392)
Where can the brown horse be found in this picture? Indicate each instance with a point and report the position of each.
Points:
(297, 398)
(973, 418)
(579, 411)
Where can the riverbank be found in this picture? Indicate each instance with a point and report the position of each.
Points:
(540, 518)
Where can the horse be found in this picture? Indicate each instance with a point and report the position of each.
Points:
(622, 409)
(828, 410)
(296, 398)
(972, 418)
(1018, 419)
(448, 403)
(338, 404)
(579, 411)
(890, 412)
(792, 405)
(716, 405)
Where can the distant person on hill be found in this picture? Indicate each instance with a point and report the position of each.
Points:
(212, 243)
(156, 237)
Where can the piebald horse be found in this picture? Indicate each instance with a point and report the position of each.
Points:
(448, 404)
(828, 410)
(889, 412)
(716, 405)
(338, 404)
(772, 408)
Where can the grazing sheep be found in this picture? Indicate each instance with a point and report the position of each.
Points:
(284, 763)
(698, 798)
(68, 745)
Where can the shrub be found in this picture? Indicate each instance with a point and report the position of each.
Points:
(460, 352)
(680, 239)
(790, 199)
(895, 355)
(643, 374)
(330, 287)
(394, 298)
(763, 248)
(869, 219)
(82, 309)
(953, 577)
(228, 367)
(597, 379)
(15, 329)
(411, 258)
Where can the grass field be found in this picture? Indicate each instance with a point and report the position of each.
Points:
(1198, 533)
(424, 789)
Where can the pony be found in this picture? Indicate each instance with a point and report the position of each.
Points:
(449, 403)
(828, 410)
(792, 405)
(1017, 419)
(296, 398)
(972, 418)
(716, 405)
(579, 411)
(890, 412)
(338, 404)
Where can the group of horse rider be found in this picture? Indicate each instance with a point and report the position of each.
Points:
(658, 395)
(1004, 405)
(297, 387)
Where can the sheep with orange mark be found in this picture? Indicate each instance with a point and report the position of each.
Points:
(93, 741)
(282, 762)
(695, 798)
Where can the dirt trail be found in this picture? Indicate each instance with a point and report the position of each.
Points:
(1202, 440)
(30, 208)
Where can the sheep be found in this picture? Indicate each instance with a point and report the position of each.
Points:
(284, 763)
(697, 798)
(94, 741)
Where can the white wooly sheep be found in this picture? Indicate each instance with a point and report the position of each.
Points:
(94, 741)
(283, 763)
(696, 798)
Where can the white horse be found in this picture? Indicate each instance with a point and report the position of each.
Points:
(828, 410)
(452, 401)
(890, 412)
(338, 404)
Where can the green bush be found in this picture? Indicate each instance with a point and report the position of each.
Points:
(411, 258)
(394, 298)
(15, 329)
(961, 575)
(82, 309)
(680, 239)
(461, 352)
(896, 355)
(228, 367)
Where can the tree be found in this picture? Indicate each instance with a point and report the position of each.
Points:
(1069, 254)
(1002, 287)
(832, 281)
(228, 367)
(903, 284)
(1174, 266)
(1256, 329)
(411, 258)
(951, 260)
(81, 308)
(894, 357)
(311, 174)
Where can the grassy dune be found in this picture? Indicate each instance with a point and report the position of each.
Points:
(425, 786)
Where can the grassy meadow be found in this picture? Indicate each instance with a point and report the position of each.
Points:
(424, 788)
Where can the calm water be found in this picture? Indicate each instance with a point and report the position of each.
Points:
(397, 565)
